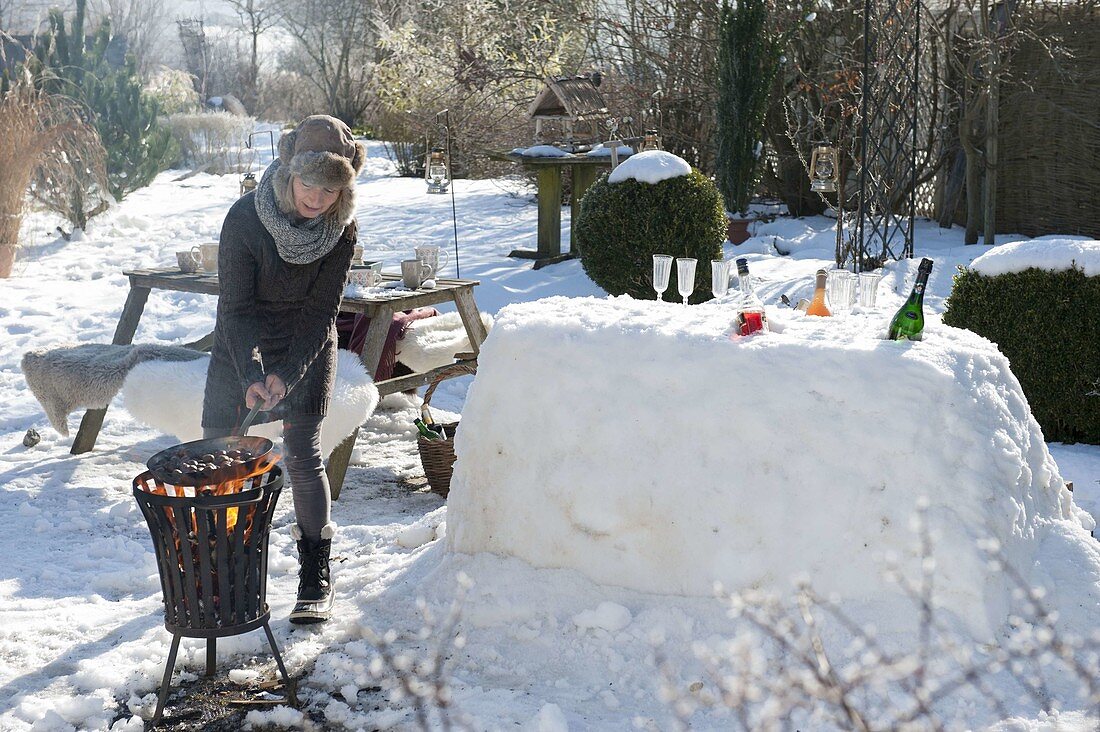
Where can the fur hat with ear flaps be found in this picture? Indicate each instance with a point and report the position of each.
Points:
(320, 151)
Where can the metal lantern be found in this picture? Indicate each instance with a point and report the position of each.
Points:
(248, 180)
(436, 172)
(248, 183)
(824, 169)
(651, 141)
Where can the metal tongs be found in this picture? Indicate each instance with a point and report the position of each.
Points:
(249, 419)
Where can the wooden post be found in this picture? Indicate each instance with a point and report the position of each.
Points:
(549, 236)
(467, 310)
(991, 122)
(613, 146)
(583, 177)
(337, 467)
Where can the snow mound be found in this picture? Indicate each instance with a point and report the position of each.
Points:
(636, 443)
(650, 166)
(543, 151)
(1051, 254)
(602, 151)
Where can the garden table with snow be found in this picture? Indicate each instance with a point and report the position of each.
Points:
(638, 444)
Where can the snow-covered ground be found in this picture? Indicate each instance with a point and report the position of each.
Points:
(82, 643)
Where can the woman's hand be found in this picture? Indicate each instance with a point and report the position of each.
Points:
(267, 393)
(276, 387)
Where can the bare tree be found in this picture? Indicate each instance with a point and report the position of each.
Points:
(658, 58)
(335, 49)
(979, 38)
(481, 65)
(141, 22)
(5, 14)
(256, 16)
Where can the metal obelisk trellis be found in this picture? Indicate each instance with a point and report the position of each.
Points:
(888, 134)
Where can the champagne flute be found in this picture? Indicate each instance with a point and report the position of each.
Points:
(685, 277)
(719, 277)
(662, 267)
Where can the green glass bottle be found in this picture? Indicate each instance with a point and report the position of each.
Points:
(425, 432)
(908, 322)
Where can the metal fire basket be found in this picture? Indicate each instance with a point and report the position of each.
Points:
(212, 556)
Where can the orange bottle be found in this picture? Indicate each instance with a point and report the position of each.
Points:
(817, 305)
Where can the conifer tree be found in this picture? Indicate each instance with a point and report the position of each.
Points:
(114, 102)
(748, 60)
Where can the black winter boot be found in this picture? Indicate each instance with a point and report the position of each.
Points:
(315, 592)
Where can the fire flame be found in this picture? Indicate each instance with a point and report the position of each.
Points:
(238, 480)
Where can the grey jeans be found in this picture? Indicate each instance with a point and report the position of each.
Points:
(304, 468)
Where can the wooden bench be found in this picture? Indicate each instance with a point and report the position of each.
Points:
(379, 309)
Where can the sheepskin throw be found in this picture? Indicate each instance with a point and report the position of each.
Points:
(168, 398)
(87, 376)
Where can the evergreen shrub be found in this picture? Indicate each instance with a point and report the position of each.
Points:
(748, 61)
(622, 225)
(1045, 323)
(124, 115)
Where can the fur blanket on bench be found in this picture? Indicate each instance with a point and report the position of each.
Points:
(87, 376)
(69, 378)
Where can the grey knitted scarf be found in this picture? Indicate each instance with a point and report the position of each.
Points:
(301, 241)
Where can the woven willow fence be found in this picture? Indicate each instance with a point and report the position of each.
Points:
(1049, 181)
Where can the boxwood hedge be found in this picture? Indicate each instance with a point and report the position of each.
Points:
(1047, 324)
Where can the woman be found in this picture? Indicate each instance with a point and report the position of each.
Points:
(283, 260)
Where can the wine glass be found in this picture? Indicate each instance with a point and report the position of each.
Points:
(719, 277)
(685, 277)
(662, 266)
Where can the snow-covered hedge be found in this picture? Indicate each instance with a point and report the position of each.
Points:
(1045, 323)
(215, 139)
(621, 226)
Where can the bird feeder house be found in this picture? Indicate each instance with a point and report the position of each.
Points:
(573, 106)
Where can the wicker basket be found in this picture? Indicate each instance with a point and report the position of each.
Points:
(438, 456)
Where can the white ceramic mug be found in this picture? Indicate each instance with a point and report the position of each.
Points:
(414, 272)
(429, 255)
(188, 261)
(364, 276)
(208, 255)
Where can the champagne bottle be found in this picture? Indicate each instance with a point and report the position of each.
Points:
(908, 323)
(751, 317)
(817, 305)
(426, 433)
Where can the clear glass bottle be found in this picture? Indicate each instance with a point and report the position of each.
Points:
(751, 317)
(908, 322)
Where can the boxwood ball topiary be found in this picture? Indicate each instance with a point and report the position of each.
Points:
(622, 225)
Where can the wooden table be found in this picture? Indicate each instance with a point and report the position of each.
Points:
(379, 309)
(583, 168)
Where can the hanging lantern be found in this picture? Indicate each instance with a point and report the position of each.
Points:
(824, 169)
(248, 180)
(651, 141)
(436, 172)
(248, 183)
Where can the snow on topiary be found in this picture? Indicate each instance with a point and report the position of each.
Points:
(653, 203)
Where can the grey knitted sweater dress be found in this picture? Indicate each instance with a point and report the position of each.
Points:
(273, 318)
